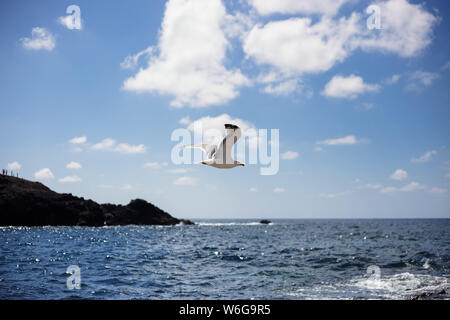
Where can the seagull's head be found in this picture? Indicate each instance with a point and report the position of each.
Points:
(237, 163)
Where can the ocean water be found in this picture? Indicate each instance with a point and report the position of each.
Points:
(289, 259)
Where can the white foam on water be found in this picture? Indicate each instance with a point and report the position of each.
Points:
(398, 286)
(214, 224)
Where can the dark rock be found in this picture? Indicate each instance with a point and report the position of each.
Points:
(265, 221)
(27, 203)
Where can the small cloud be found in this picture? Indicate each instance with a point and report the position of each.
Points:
(420, 79)
(438, 191)
(41, 39)
(70, 179)
(185, 181)
(152, 165)
(45, 173)
(446, 66)
(365, 106)
(318, 149)
(14, 166)
(289, 155)
(253, 190)
(333, 195)
(132, 60)
(399, 175)
(109, 144)
(185, 121)
(278, 190)
(74, 165)
(425, 157)
(105, 144)
(348, 140)
(393, 80)
(413, 186)
(373, 186)
(389, 190)
(348, 87)
(129, 149)
(78, 140)
(126, 187)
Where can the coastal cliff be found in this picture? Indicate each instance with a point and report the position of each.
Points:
(28, 203)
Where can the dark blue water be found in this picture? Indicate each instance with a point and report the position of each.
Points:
(297, 259)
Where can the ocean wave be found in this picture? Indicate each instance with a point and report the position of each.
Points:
(401, 286)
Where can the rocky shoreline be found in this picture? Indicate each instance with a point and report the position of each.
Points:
(28, 203)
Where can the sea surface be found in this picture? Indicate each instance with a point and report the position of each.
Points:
(224, 259)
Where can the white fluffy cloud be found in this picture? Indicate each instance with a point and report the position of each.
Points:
(425, 157)
(279, 190)
(70, 179)
(14, 165)
(289, 155)
(212, 129)
(399, 175)
(328, 7)
(109, 144)
(296, 45)
(74, 165)
(348, 140)
(218, 122)
(45, 173)
(406, 29)
(348, 87)
(190, 61)
(185, 181)
(78, 140)
(253, 189)
(41, 39)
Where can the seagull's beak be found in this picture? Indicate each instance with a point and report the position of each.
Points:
(203, 162)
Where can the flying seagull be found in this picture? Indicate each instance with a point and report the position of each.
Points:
(219, 156)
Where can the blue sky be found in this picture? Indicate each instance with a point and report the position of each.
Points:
(363, 114)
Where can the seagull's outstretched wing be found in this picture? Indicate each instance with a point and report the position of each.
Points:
(223, 153)
(209, 149)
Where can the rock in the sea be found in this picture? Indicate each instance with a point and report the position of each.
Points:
(27, 203)
(265, 221)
